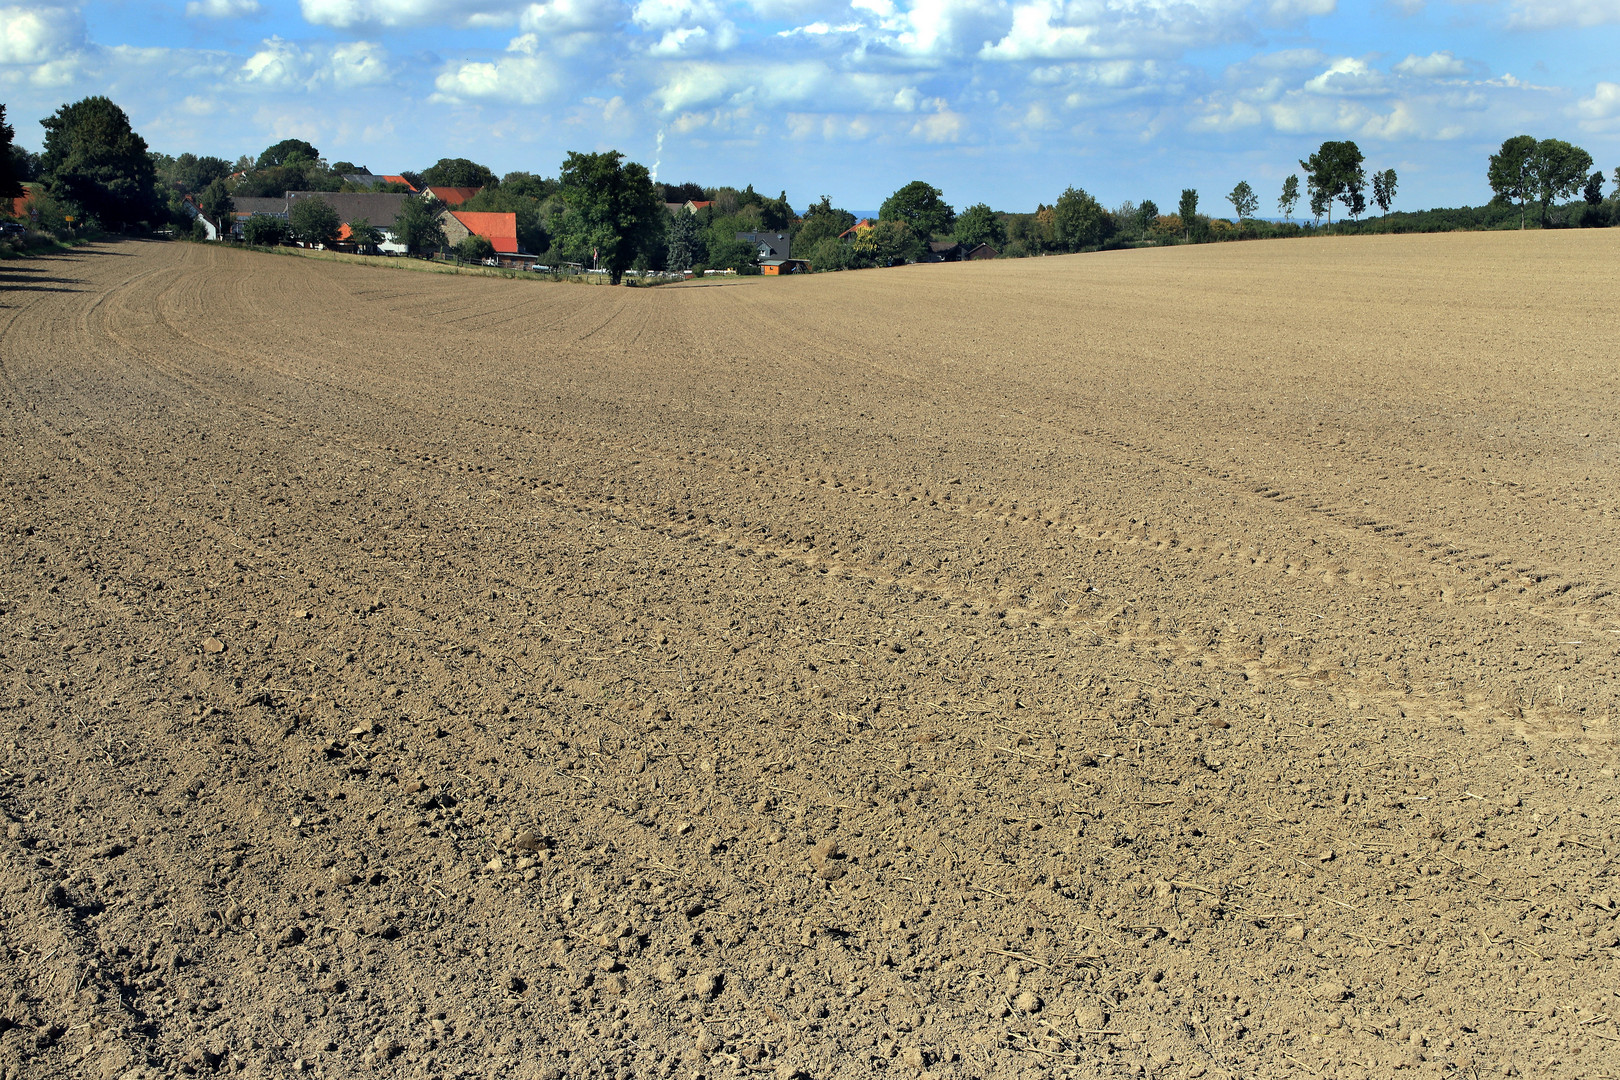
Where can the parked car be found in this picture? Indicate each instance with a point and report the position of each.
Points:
(11, 228)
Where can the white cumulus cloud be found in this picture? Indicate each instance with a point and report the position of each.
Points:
(1437, 65)
(39, 35)
(524, 75)
(1604, 104)
(359, 63)
(1347, 76)
(284, 65)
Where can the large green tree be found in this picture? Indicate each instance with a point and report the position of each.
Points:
(314, 222)
(616, 210)
(1335, 172)
(1511, 173)
(1290, 196)
(216, 202)
(190, 173)
(922, 207)
(459, 172)
(682, 246)
(822, 221)
(1146, 215)
(529, 186)
(365, 235)
(417, 225)
(1079, 221)
(95, 161)
(10, 183)
(1188, 209)
(1559, 169)
(1244, 201)
(1383, 186)
(978, 224)
(288, 152)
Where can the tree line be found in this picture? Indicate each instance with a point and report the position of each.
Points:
(599, 209)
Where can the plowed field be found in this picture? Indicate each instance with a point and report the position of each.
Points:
(1181, 663)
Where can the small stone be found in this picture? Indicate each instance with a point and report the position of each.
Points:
(609, 963)
(494, 864)
(667, 972)
(1295, 932)
(343, 877)
(414, 786)
(300, 613)
(1028, 1002)
(707, 985)
(527, 841)
(912, 1057)
(212, 645)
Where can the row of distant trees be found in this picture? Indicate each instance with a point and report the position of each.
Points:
(601, 209)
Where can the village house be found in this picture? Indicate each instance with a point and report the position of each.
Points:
(768, 245)
(499, 229)
(450, 196)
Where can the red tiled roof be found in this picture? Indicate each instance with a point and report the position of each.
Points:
(19, 205)
(400, 180)
(499, 229)
(851, 230)
(453, 196)
(698, 204)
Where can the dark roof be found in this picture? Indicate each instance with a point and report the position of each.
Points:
(771, 245)
(250, 205)
(941, 247)
(380, 208)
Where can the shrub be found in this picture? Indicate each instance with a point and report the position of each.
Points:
(475, 249)
(262, 230)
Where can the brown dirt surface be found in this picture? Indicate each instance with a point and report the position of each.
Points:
(1181, 663)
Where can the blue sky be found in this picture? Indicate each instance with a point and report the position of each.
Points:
(1001, 101)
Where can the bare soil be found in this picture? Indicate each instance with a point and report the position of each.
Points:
(1178, 663)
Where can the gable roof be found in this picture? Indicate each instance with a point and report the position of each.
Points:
(379, 208)
(851, 230)
(499, 229)
(452, 196)
(400, 180)
(771, 245)
(248, 205)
